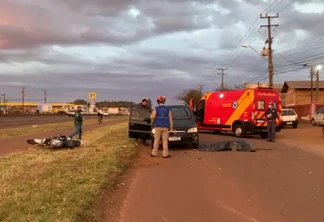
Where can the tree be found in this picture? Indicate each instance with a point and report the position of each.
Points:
(188, 94)
(80, 102)
(223, 89)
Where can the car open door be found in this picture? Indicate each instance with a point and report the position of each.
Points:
(139, 123)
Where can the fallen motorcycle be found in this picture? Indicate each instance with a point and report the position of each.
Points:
(58, 141)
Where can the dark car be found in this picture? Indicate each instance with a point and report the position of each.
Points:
(186, 132)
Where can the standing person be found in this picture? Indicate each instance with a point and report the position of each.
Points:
(161, 119)
(78, 120)
(271, 115)
(100, 116)
(144, 104)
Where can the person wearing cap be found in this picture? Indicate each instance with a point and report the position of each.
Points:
(271, 115)
(161, 120)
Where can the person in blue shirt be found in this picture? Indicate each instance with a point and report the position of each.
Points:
(162, 122)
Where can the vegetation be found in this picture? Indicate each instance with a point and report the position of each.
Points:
(188, 94)
(63, 185)
(29, 130)
(112, 104)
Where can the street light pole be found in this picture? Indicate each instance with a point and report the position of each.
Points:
(248, 46)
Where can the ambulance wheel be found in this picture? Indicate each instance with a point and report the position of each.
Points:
(239, 130)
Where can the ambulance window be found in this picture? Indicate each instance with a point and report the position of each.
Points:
(261, 105)
(201, 106)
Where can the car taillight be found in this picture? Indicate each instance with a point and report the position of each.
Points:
(296, 117)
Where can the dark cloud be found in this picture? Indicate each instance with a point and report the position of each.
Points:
(150, 60)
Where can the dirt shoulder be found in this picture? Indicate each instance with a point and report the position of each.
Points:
(16, 144)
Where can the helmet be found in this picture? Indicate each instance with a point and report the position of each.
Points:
(161, 99)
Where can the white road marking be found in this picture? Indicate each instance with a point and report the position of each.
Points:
(236, 212)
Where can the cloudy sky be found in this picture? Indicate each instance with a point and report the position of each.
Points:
(130, 49)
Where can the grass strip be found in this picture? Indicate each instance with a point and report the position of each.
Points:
(63, 185)
(28, 130)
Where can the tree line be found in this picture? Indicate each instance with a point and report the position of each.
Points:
(109, 104)
(195, 94)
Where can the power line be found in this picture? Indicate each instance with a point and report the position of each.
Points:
(287, 6)
(246, 34)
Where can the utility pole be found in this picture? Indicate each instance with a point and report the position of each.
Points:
(45, 95)
(311, 74)
(222, 74)
(23, 99)
(269, 40)
(201, 88)
(317, 85)
(4, 102)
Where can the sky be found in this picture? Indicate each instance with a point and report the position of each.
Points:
(134, 49)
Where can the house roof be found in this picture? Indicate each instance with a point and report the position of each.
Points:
(300, 85)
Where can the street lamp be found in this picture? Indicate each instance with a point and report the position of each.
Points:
(248, 46)
(319, 67)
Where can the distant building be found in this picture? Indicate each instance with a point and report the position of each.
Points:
(299, 92)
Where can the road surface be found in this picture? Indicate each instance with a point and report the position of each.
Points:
(278, 183)
(33, 120)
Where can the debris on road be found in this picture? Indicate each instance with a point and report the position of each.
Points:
(233, 145)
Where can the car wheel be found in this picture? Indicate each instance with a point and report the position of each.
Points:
(217, 131)
(323, 132)
(239, 130)
(195, 145)
(295, 125)
(313, 122)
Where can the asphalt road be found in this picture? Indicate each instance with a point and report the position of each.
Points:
(278, 183)
(34, 120)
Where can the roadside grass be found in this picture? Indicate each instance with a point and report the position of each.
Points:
(64, 185)
(28, 130)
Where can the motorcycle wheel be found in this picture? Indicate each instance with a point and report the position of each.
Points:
(30, 141)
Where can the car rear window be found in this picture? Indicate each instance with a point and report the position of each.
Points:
(180, 113)
(288, 112)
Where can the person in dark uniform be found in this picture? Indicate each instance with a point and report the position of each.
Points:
(271, 115)
(144, 104)
(162, 122)
(78, 120)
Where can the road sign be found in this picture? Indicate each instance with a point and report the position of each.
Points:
(92, 95)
